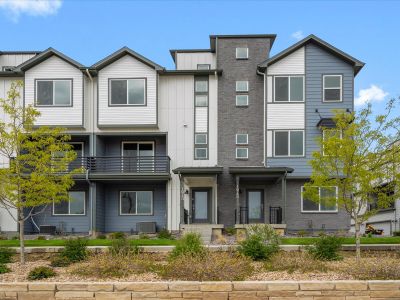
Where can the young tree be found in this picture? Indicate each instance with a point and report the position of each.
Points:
(361, 157)
(38, 170)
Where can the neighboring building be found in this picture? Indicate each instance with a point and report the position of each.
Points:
(224, 139)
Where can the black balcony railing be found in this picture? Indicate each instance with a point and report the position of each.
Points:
(122, 164)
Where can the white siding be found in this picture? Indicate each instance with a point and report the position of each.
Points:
(201, 119)
(291, 64)
(176, 116)
(127, 67)
(269, 88)
(285, 116)
(189, 61)
(13, 60)
(269, 143)
(56, 68)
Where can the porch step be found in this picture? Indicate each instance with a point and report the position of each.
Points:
(205, 231)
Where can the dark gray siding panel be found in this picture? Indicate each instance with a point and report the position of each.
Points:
(317, 63)
(111, 146)
(100, 208)
(115, 222)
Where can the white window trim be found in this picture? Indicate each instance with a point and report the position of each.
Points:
(289, 101)
(319, 211)
(195, 141)
(200, 92)
(242, 91)
(136, 214)
(323, 139)
(247, 139)
(208, 65)
(54, 90)
(127, 92)
(247, 52)
(200, 158)
(289, 130)
(195, 100)
(325, 88)
(242, 148)
(69, 207)
(247, 100)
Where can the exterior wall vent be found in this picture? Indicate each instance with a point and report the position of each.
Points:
(146, 227)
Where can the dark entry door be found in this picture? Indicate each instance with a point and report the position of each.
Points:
(255, 206)
(201, 205)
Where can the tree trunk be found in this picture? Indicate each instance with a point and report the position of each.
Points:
(21, 237)
(358, 241)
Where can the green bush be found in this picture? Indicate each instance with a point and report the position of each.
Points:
(301, 233)
(41, 273)
(75, 249)
(15, 237)
(101, 236)
(190, 245)
(326, 248)
(60, 261)
(143, 236)
(41, 238)
(396, 233)
(265, 233)
(4, 269)
(254, 248)
(117, 235)
(5, 255)
(230, 231)
(165, 234)
(123, 246)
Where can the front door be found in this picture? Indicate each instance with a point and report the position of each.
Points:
(201, 206)
(255, 206)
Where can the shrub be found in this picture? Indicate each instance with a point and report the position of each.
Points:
(211, 267)
(301, 233)
(165, 234)
(117, 235)
(265, 233)
(123, 246)
(3, 237)
(230, 231)
(256, 249)
(396, 233)
(295, 261)
(189, 245)
(326, 248)
(143, 236)
(4, 269)
(5, 255)
(105, 265)
(75, 249)
(60, 261)
(41, 273)
(41, 238)
(15, 237)
(101, 236)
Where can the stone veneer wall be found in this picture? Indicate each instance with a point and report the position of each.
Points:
(272, 290)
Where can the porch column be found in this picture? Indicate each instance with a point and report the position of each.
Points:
(181, 193)
(284, 198)
(237, 200)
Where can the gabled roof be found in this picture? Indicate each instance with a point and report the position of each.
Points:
(357, 64)
(45, 55)
(122, 52)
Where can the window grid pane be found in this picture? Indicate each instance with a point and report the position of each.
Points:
(242, 100)
(77, 203)
(242, 86)
(201, 100)
(44, 94)
(201, 86)
(144, 202)
(332, 87)
(296, 143)
(242, 153)
(282, 143)
(200, 139)
(296, 89)
(282, 89)
(242, 138)
(119, 92)
(62, 92)
(201, 153)
(242, 53)
(128, 203)
(136, 91)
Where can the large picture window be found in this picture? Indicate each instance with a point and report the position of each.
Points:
(53, 92)
(128, 91)
(136, 203)
(289, 143)
(289, 89)
(75, 206)
(332, 88)
(327, 200)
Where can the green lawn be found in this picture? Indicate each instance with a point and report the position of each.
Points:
(94, 242)
(364, 240)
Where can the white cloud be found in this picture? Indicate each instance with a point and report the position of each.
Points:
(15, 8)
(298, 35)
(371, 94)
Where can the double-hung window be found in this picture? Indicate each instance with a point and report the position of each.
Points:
(53, 92)
(289, 143)
(127, 91)
(136, 203)
(242, 93)
(289, 89)
(75, 206)
(324, 199)
(332, 88)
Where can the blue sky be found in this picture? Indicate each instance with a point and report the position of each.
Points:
(89, 30)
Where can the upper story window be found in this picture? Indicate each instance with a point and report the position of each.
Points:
(242, 139)
(200, 153)
(53, 92)
(289, 143)
(136, 203)
(332, 88)
(127, 91)
(327, 200)
(242, 91)
(289, 88)
(201, 86)
(75, 206)
(200, 139)
(242, 86)
(242, 53)
(203, 66)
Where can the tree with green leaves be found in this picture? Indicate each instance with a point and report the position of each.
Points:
(38, 160)
(358, 164)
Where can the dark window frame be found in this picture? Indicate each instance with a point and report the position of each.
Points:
(71, 80)
(127, 95)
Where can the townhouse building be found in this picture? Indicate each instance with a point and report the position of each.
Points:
(224, 139)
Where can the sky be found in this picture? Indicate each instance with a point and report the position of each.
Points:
(89, 30)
